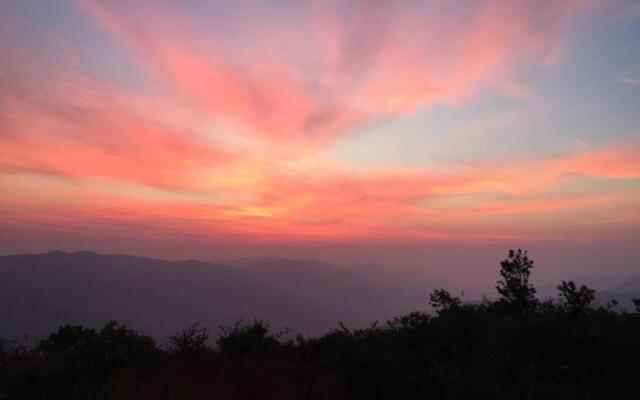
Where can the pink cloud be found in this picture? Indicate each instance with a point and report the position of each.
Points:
(85, 129)
(292, 87)
(312, 77)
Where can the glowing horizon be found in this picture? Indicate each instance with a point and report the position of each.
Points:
(285, 121)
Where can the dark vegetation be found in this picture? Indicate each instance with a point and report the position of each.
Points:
(514, 347)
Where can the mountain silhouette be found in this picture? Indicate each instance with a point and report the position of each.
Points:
(39, 292)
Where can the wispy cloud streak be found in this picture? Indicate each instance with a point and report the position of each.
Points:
(219, 119)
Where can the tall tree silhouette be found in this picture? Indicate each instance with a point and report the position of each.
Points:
(517, 293)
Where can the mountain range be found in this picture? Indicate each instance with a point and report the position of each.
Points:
(39, 292)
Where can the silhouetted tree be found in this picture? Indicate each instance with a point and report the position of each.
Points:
(67, 337)
(189, 342)
(514, 287)
(574, 299)
(442, 300)
(636, 303)
(612, 304)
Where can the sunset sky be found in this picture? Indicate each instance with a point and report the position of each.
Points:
(271, 125)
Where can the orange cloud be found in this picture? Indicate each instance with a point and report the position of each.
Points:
(342, 206)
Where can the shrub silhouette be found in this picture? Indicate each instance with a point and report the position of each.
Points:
(442, 300)
(190, 342)
(574, 299)
(243, 338)
(636, 304)
(76, 362)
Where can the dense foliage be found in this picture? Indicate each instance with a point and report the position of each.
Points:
(515, 347)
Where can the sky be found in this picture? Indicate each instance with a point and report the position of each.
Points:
(350, 131)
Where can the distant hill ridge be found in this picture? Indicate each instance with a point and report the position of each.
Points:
(39, 292)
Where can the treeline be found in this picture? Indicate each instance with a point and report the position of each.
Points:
(514, 347)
